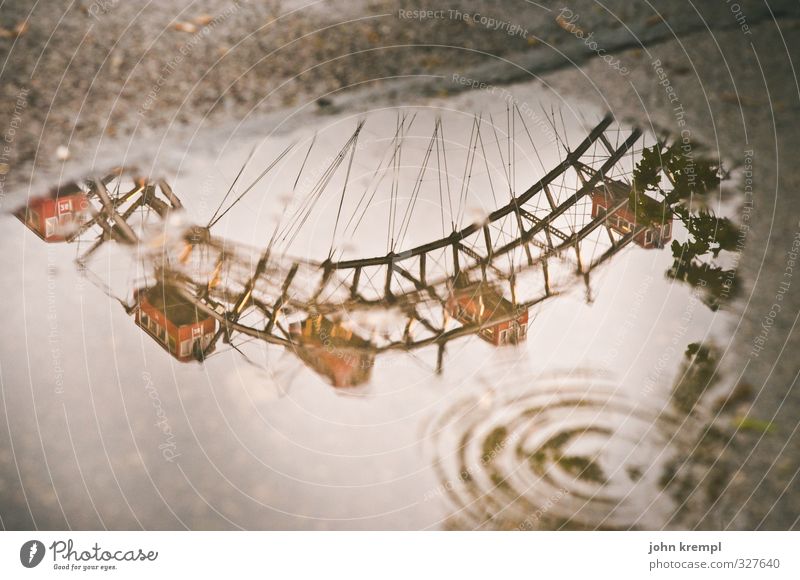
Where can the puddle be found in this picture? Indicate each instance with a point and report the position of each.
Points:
(542, 368)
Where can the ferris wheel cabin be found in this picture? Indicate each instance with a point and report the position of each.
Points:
(53, 217)
(500, 321)
(174, 322)
(623, 220)
(333, 351)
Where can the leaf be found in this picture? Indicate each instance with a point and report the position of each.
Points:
(757, 425)
(647, 174)
(185, 27)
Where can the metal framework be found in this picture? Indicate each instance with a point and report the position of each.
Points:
(530, 249)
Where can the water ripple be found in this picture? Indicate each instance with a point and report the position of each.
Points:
(570, 451)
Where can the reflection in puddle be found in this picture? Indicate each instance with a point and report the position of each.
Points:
(594, 449)
(333, 350)
(174, 322)
(684, 183)
(481, 278)
(499, 321)
(568, 452)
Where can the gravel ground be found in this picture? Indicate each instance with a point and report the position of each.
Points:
(94, 72)
(102, 76)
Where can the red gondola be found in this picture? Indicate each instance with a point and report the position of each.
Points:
(174, 322)
(481, 304)
(55, 216)
(333, 351)
(623, 221)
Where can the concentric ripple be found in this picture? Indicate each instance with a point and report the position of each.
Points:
(566, 452)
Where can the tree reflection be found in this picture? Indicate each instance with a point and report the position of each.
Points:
(696, 376)
(670, 182)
